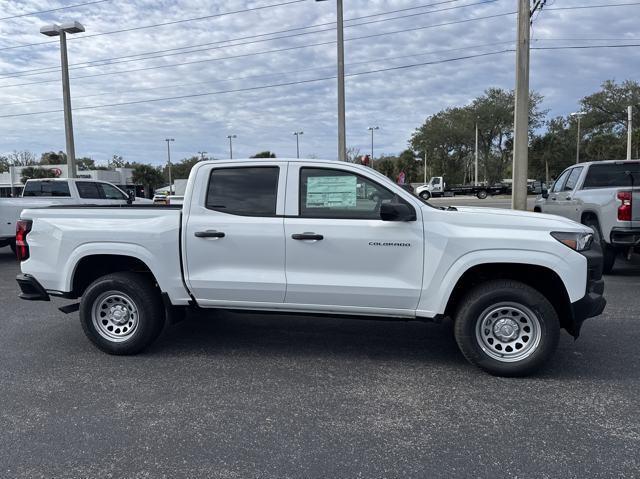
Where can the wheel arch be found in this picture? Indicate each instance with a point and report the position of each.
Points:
(541, 278)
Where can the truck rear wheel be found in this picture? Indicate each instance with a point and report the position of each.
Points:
(122, 313)
(482, 194)
(506, 328)
(425, 195)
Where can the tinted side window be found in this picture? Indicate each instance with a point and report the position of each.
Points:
(111, 192)
(327, 193)
(88, 190)
(572, 180)
(246, 191)
(557, 186)
(47, 188)
(612, 175)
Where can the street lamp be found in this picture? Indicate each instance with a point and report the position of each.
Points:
(61, 31)
(231, 137)
(579, 115)
(371, 129)
(202, 153)
(169, 140)
(297, 134)
(342, 122)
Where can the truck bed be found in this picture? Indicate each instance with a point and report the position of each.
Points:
(61, 234)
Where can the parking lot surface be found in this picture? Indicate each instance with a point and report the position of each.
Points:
(240, 396)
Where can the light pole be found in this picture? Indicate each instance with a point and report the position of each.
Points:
(297, 134)
(342, 128)
(169, 140)
(476, 156)
(202, 153)
(578, 114)
(629, 130)
(61, 31)
(231, 137)
(372, 129)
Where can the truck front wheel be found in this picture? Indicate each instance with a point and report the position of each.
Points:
(482, 194)
(506, 328)
(425, 195)
(122, 313)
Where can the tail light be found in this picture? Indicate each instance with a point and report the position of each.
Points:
(23, 227)
(626, 204)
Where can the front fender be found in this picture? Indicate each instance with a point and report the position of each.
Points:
(571, 268)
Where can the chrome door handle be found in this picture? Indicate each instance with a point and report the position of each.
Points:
(209, 234)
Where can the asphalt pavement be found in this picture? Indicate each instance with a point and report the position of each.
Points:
(284, 396)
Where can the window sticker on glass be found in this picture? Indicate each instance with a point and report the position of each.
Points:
(331, 191)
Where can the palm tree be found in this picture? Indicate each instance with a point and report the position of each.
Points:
(148, 176)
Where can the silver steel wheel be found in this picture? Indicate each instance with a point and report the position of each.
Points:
(508, 332)
(114, 316)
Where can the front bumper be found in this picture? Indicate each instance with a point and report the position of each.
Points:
(31, 289)
(593, 302)
(625, 236)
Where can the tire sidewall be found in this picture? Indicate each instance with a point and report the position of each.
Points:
(467, 320)
(148, 313)
(425, 195)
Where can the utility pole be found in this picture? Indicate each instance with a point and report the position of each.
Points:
(297, 134)
(169, 140)
(372, 129)
(425, 164)
(629, 131)
(476, 154)
(231, 137)
(61, 31)
(202, 153)
(578, 115)
(521, 115)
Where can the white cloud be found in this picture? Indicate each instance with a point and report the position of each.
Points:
(398, 101)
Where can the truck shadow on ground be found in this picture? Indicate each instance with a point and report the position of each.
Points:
(225, 333)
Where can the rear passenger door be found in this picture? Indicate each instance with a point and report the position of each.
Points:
(234, 236)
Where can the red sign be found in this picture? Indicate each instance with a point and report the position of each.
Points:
(57, 172)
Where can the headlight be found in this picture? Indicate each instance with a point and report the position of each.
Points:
(575, 241)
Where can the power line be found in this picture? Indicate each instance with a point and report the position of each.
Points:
(262, 87)
(586, 47)
(53, 9)
(377, 60)
(173, 22)
(165, 53)
(375, 35)
(584, 7)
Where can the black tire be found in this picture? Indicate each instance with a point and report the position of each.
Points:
(477, 308)
(482, 194)
(425, 195)
(608, 252)
(144, 327)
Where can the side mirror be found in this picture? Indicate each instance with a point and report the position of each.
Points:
(397, 212)
(545, 193)
(131, 197)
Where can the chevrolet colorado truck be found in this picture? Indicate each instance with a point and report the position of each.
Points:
(57, 191)
(604, 195)
(321, 237)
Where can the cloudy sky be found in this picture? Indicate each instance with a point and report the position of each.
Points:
(263, 69)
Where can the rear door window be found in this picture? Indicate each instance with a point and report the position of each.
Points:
(245, 191)
(612, 175)
(88, 190)
(47, 189)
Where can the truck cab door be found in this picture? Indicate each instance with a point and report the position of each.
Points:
(233, 239)
(341, 256)
(551, 204)
(568, 204)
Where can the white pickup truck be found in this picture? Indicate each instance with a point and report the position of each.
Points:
(320, 237)
(604, 195)
(57, 191)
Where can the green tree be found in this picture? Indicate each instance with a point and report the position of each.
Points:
(84, 164)
(35, 172)
(4, 164)
(147, 175)
(264, 154)
(117, 162)
(181, 169)
(53, 158)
